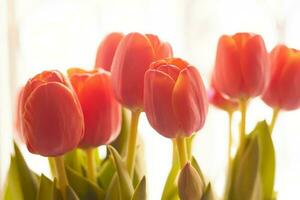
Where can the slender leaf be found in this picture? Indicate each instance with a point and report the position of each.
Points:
(47, 190)
(28, 180)
(208, 194)
(84, 188)
(140, 192)
(71, 195)
(124, 178)
(114, 191)
(106, 173)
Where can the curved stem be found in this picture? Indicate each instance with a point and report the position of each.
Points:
(274, 118)
(91, 165)
(243, 110)
(131, 148)
(181, 147)
(61, 175)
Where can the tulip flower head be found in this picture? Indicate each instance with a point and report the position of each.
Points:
(221, 101)
(51, 119)
(133, 57)
(101, 111)
(241, 66)
(283, 91)
(107, 49)
(175, 98)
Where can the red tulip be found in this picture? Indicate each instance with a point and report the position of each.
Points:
(283, 91)
(102, 113)
(175, 98)
(107, 49)
(51, 117)
(241, 67)
(221, 101)
(133, 57)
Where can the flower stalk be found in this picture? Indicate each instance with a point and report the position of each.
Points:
(61, 175)
(91, 165)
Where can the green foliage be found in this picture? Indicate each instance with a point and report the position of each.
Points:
(253, 169)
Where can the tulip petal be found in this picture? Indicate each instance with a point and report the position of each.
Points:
(289, 93)
(254, 68)
(158, 103)
(161, 49)
(132, 58)
(52, 120)
(107, 49)
(190, 101)
(227, 73)
(102, 113)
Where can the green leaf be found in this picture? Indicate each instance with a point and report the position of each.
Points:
(114, 191)
(13, 189)
(266, 159)
(76, 160)
(71, 195)
(124, 178)
(208, 194)
(246, 170)
(140, 192)
(106, 173)
(28, 180)
(84, 188)
(47, 190)
(198, 169)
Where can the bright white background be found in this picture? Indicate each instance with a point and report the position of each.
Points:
(57, 34)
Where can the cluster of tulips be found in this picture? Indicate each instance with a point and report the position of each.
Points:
(66, 118)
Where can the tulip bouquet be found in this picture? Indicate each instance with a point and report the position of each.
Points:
(67, 117)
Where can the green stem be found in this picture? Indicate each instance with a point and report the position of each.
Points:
(230, 161)
(132, 140)
(274, 119)
(61, 175)
(181, 147)
(189, 145)
(229, 137)
(91, 165)
(243, 110)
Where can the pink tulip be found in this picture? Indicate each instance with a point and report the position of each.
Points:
(175, 98)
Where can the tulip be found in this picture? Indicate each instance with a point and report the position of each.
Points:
(283, 91)
(175, 98)
(133, 57)
(241, 68)
(220, 101)
(175, 101)
(102, 113)
(51, 118)
(107, 49)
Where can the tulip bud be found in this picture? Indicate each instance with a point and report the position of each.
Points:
(241, 68)
(190, 185)
(283, 91)
(107, 49)
(133, 57)
(221, 101)
(175, 98)
(51, 117)
(102, 113)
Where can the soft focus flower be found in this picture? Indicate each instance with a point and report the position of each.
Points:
(102, 113)
(283, 91)
(241, 68)
(133, 57)
(175, 98)
(221, 101)
(51, 117)
(107, 49)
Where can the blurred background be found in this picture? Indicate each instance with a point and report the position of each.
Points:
(58, 34)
